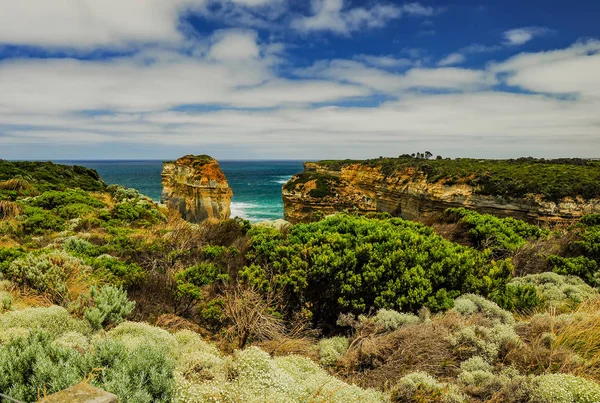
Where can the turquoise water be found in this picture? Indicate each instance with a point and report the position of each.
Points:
(256, 185)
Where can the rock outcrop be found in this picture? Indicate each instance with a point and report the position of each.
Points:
(196, 187)
(326, 188)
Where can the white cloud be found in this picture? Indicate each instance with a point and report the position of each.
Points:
(332, 15)
(521, 36)
(441, 79)
(234, 45)
(88, 23)
(454, 111)
(385, 62)
(452, 59)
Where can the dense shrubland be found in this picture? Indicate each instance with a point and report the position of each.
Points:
(98, 283)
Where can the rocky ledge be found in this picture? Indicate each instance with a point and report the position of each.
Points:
(417, 190)
(195, 186)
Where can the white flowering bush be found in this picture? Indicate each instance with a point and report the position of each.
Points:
(465, 305)
(476, 371)
(420, 387)
(331, 349)
(54, 320)
(73, 340)
(252, 376)
(563, 388)
(392, 320)
(134, 334)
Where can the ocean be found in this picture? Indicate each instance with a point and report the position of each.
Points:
(256, 185)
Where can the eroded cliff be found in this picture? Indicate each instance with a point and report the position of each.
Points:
(527, 189)
(196, 187)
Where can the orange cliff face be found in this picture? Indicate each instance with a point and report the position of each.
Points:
(196, 187)
(324, 189)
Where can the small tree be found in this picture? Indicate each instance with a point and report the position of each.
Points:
(428, 155)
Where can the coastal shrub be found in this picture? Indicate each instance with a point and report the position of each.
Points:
(78, 246)
(190, 282)
(555, 290)
(108, 306)
(469, 304)
(331, 349)
(138, 210)
(501, 235)
(350, 264)
(53, 320)
(37, 221)
(71, 197)
(33, 363)
(392, 320)
(6, 301)
(564, 388)
(8, 255)
(580, 266)
(134, 334)
(420, 387)
(116, 271)
(143, 374)
(484, 341)
(51, 272)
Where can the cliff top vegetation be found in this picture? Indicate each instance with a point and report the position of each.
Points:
(552, 179)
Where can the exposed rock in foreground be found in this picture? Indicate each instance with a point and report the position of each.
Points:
(414, 189)
(196, 187)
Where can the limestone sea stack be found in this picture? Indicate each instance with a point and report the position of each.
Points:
(195, 186)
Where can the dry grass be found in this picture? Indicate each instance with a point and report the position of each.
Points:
(380, 360)
(9, 209)
(174, 323)
(251, 317)
(15, 185)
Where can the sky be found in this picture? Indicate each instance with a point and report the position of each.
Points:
(298, 79)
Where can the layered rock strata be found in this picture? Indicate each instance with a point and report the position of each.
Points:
(324, 189)
(195, 186)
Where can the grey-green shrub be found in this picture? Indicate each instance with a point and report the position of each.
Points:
(486, 342)
(466, 304)
(47, 272)
(420, 387)
(392, 320)
(109, 306)
(331, 349)
(555, 289)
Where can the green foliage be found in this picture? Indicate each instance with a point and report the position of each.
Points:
(48, 272)
(580, 266)
(591, 220)
(330, 350)
(392, 320)
(45, 176)
(518, 178)
(190, 282)
(350, 264)
(55, 199)
(8, 255)
(116, 271)
(501, 235)
(554, 290)
(37, 221)
(108, 307)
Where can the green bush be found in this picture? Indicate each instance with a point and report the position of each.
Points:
(392, 320)
(37, 221)
(116, 271)
(8, 255)
(501, 235)
(350, 264)
(54, 199)
(190, 282)
(109, 306)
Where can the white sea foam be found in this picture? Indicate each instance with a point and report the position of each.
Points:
(239, 209)
(282, 180)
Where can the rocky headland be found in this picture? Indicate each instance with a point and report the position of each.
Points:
(527, 189)
(195, 186)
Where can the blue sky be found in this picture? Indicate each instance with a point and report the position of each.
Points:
(137, 79)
